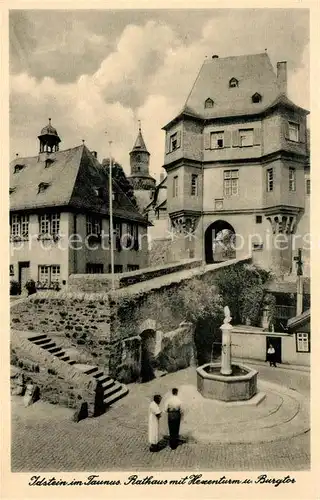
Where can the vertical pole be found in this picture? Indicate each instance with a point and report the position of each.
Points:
(299, 262)
(111, 220)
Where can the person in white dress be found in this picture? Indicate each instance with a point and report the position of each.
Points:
(153, 427)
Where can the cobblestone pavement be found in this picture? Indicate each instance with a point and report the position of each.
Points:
(45, 439)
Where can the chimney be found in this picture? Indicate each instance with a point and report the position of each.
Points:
(94, 153)
(282, 76)
(161, 176)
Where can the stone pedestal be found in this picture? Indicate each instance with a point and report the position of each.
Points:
(226, 368)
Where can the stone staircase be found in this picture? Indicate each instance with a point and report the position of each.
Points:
(112, 390)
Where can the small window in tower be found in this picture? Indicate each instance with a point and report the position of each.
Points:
(233, 83)
(138, 168)
(208, 103)
(138, 158)
(258, 219)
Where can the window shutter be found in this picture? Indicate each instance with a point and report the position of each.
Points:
(168, 143)
(206, 140)
(257, 136)
(235, 138)
(178, 138)
(286, 129)
(302, 131)
(227, 139)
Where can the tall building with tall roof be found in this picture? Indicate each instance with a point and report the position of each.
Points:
(236, 158)
(143, 183)
(59, 216)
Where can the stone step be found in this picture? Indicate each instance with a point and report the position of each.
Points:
(116, 396)
(47, 346)
(87, 369)
(42, 342)
(37, 337)
(98, 375)
(55, 350)
(65, 358)
(59, 354)
(108, 383)
(103, 378)
(72, 362)
(116, 387)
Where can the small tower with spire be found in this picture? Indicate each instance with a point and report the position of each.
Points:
(139, 164)
(49, 139)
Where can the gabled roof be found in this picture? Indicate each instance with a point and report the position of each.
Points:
(299, 320)
(74, 179)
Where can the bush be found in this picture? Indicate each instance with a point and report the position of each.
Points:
(15, 288)
(128, 372)
(31, 287)
(242, 288)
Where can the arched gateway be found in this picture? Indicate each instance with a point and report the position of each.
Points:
(219, 241)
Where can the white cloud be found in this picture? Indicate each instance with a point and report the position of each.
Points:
(147, 76)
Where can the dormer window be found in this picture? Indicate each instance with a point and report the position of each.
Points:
(48, 162)
(233, 83)
(43, 186)
(18, 167)
(256, 97)
(208, 103)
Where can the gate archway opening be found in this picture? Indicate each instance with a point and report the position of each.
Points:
(220, 240)
(148, 346)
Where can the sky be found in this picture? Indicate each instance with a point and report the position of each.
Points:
(95, 73)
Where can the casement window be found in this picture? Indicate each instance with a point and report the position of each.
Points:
(216, 140)
(246, 137)
(49, 224)
(174, 142)
(175, 187)
(256, 98)
(94, 268)
(118, 234)
(308, 186)
(258, 219)
(48, 274)
(293, 132)
(292, 179)
(18, 167)
(270, 179)
(231, 182)
(132, 267)
(93, 225)
(303, 342)
(194, 185)
(233, 83)
(208, 103)
(19, 225)
(118, 268)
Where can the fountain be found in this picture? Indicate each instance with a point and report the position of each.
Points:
(227, 381)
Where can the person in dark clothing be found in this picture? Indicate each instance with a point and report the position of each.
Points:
(272, 355)
(174, 409)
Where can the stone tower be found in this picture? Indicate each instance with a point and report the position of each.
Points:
(139, 165)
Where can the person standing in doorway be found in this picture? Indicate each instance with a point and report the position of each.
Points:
(272, 355)
(153, 427)
(173, 408)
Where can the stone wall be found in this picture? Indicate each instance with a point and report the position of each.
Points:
(101, 283)
(67, 381)
(177, 349)
(83, 319)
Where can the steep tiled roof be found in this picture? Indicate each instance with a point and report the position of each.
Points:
(74, 178)
(140, 145)
(254, 74)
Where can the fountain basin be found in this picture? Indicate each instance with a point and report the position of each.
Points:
(241, 385)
